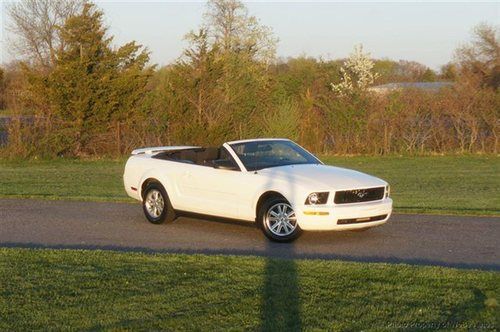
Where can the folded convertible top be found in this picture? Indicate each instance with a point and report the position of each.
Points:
(157, 149)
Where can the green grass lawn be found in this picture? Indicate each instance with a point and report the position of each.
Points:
(90, 290)
(438, 184)
(93, 180)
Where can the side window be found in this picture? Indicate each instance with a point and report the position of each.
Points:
(226, 158)
(224, 154)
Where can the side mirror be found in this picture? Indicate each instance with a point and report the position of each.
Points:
(224, 164)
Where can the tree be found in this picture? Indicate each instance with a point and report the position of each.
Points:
(229, 24)
(297, 75)
(357, 73)
(412, 71)
(2, 89)
(36, 25)
(449, 72)
(200, 62)
(480, 58)
(221, 81)
(386, 71)
(429, 75)
(390, 71)
(91, 85)
(283, 121)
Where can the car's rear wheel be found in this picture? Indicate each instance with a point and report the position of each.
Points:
(156, 205)
(278, 220)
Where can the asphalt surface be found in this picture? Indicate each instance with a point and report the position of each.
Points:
(456, 241)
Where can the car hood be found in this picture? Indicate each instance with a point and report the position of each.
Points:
(322, 177)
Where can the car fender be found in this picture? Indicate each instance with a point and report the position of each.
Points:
(146, 175)
(291, 192)
(161, 177)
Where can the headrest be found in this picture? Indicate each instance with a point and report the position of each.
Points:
(188, 155)
(211, 153)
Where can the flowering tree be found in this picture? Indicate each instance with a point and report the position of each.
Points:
(357, 73)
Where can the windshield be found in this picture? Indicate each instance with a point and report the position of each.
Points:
(263, 154)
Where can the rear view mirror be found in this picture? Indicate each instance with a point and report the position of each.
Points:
(224, 164)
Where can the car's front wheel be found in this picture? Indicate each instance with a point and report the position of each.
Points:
(278, 220)
(156, 205)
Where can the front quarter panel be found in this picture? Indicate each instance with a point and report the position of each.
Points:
(322, 216)
(288, 188)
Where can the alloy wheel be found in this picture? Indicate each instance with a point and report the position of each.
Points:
(280, 219)
(154, 203)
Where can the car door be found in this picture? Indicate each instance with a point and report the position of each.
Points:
(216, 191)
(190, 196)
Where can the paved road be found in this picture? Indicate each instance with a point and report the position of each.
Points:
(466, 242)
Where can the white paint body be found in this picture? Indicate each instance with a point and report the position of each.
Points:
(235, 194)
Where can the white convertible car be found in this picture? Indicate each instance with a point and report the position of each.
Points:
(274, 182)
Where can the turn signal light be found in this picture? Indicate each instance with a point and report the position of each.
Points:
(316, 213)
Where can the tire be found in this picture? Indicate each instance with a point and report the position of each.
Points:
(156, 204)
(274, 222)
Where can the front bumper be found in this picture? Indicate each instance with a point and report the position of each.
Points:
(325, 218)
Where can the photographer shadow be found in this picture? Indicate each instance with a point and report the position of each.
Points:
(280, 309)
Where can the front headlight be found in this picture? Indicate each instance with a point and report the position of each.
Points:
(387, 191)
(317, 198)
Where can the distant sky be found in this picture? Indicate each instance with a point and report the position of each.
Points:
(426, 32)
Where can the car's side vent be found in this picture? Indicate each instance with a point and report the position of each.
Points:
(359, 195)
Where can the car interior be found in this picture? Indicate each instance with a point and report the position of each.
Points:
(210, 157)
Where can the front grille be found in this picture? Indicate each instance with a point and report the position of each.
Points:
(359, 195)
(360, 220)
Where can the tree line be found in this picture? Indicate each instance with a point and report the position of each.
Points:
(74, 93)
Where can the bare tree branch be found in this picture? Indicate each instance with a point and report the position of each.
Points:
(35, 24)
